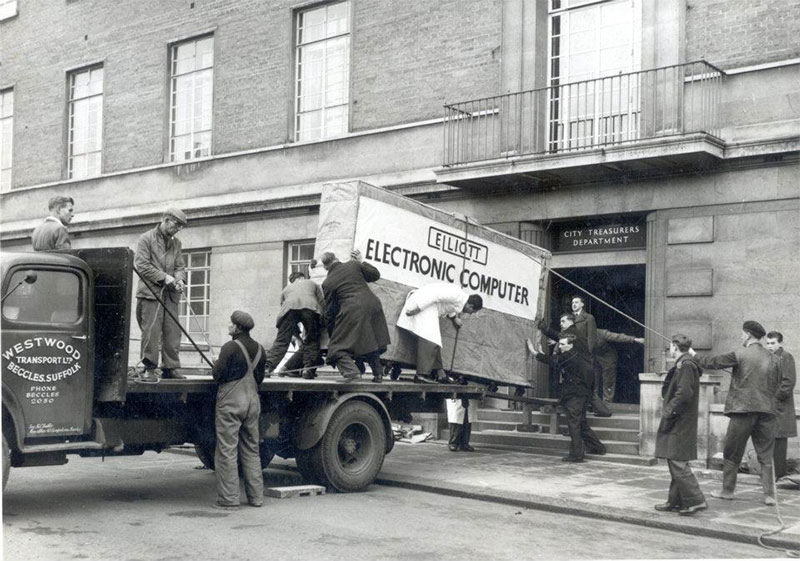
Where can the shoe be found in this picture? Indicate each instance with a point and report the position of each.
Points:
(690, 510)
(294, 374)
(377, 379)
(454, 448)
(572, 459)
(348, 379)
(256, 504)
(467, 448)
(443, 378)
(667, 507)
(599, 414)
(148, 377)
(769, 501)
(309, 374)
(223, 506)
(722, 495)
(171, 373)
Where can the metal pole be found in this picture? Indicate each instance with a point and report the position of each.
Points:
(176, 320)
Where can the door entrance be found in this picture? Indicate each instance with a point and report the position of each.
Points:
(622, 286)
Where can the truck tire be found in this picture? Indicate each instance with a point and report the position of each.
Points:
(309, 464)
(6, 462)
(205, 452)
(353, 447)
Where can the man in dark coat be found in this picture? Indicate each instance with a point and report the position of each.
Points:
(750, 408)
(584, 322)
(353, 315)
(606, 357)
(239, 370)
(301, 302)
(787, 421)
(577, 375)
(676, 440)
(569, 327)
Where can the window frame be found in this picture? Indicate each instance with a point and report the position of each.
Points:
(303, 264)
(297, 114)
(186, 320)
(172, 105)
(71, 101)
(5, 186)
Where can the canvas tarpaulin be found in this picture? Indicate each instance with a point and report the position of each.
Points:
(413, 244)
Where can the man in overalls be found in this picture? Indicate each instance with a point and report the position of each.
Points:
(239, 371)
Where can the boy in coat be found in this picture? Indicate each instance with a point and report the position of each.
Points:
(676, 440)
(787, 421)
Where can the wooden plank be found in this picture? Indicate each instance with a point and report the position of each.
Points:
(294, 491)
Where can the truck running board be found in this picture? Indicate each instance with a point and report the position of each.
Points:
(65, 447)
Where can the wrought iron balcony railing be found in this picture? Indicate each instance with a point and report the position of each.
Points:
(630, 107)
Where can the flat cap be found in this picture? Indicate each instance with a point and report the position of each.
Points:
(754, 328)
(177, 214)
(242, 320)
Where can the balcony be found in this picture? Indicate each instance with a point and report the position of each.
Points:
(639, 123)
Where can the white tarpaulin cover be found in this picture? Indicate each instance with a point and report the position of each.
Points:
(413, 244)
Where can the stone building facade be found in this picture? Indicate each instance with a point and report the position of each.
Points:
(653, 146)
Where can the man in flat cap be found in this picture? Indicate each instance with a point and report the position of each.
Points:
(163, 275)
(239, 371)
(52, 233)
(750, 408)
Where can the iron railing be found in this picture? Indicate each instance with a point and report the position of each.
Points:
(630, 107)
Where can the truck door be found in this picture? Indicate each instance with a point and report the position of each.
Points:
(47, 349)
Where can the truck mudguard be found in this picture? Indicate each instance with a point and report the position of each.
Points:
(312, 425)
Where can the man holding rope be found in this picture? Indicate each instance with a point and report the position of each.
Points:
(162, 271)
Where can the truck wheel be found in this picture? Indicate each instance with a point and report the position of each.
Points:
(309, 464)
(353, 447)
(6, 462)
(205, 452)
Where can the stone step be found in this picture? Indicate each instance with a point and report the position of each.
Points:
(617, 421)
(538, 440)
(609, 457)
(604, 433)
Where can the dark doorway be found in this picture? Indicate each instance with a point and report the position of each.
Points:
(622, 286)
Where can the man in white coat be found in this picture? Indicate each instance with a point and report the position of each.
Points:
(420, 316)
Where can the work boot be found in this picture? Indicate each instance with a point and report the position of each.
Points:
(729, 472)
(149, 376)
(309, 373)
(172, 373)
(768, 484)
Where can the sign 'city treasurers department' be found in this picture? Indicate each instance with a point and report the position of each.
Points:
(414, 250)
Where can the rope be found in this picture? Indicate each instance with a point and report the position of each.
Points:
(789, 552)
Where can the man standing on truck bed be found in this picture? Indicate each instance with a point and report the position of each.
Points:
(239, 371)
(301, 302)
(52, 233)
(162, 276)
(353, 315)
(420, 317)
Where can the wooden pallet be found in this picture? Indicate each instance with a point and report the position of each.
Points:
(294, 491)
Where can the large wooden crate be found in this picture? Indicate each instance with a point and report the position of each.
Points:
(413, 244)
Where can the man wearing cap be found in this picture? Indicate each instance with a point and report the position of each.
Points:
(750, 408)
(162, 276)
(52, 233)
(239, 371)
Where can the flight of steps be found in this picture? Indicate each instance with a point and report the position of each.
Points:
(501, 429)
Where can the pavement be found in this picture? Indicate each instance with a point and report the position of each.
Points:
(594, 489)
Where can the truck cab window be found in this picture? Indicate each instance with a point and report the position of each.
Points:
(55, 298)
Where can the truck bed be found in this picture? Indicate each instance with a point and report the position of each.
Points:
(199, 381)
